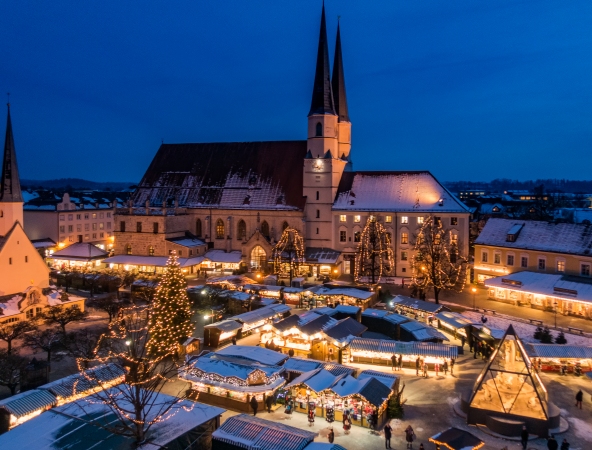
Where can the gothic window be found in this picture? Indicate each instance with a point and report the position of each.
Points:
(284, 226)
(258, 257)
(198, 227)
(151, 251)
(241, 232)
(265, 229)
(319, 131)
(128, 249)
(220, 229)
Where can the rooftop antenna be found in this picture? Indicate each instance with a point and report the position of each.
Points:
(8, 99)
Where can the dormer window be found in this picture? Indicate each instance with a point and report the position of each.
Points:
(319, 130)
(514, 232)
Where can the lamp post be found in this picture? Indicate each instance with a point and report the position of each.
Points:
(474, 291)
(555, 308)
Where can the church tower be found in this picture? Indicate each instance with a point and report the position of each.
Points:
(323, 165)
(11, 198)
(340, 100)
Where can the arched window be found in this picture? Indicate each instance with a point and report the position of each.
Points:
(128, 249)
(285, 225)
(258, 257)
(319, 131)
(198, 227)
(1, 213)
(151, 251)
(220, 229)
(265, 229)
(241, 230)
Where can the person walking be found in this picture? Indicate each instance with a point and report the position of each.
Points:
(400, 362)
(394, 362)
(254, 405)
(552, 443)
(452, 366)
(269, 403)
(462, 341)
(417, 362)
(410, 436)
(579, 398)
(436, 369)
(524, 437)
(564, 445)
(331, 435)
(445, 367)
(425, 369)
(421, 447)
(388, 433)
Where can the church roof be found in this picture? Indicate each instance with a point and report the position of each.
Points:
(338, 82)
(10, 187)
(245, 175)
(395, 191)
(322, 95)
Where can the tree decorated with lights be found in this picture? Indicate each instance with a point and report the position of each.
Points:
(374, 256)
(436, 263)
(170, 318)
(136, 402)
(289, 250)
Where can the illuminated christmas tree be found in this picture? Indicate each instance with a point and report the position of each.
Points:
(288, 253)
(436, 261)
(374, 256)
(170, 318)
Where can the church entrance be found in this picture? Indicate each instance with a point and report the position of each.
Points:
(258, 258)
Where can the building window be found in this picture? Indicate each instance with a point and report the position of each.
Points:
(319, 129)
(388, 219)
(108, 225)
(317, 231)
(510, 260)
(121, 226)
(404, 256)
(484, 257)
(78, 227)
(94, 235)
(404, 219)
(342, 236)
(404, 238)
(318, 213)
(108, 215)
(86, 237)
(71, 238)
(29, 314)
(198, 227)
(389, 238)
(151, 251)
(180, 252)
(284, 226)
(155, 227)
(101, 235)
(138, 227)
(343, 218)
(258, 257)
(62, 217)
(128, 249)
(437, 220)
(9, 260)
(497, 258)
(585, 270)
(357, 218)
(318, 194)
(70, 228)
(357, 236)
(265, 229)
(101, 215)
(101, 225)
(542, 264)
(241, 230)
(87, 227)
(420, 220)
(86, 216)
(78, 216)
(560, 266)
(62, 229)
(94, 216)
(27, 260)
(524, 261)
(70, 216)
(219, 229)
(454, 221)
(454, 239)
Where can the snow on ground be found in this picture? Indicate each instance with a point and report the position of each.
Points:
(525, 331)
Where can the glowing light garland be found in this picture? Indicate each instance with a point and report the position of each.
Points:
(432, 264)
(291, 243)
(374, 255)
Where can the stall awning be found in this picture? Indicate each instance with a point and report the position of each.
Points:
(265, 313)
(419, 305)
(558, 351)
(453, 319)
(390, 348)
(344, 328)
(80, 251)
(301, 365)
(28, 402)
(389, 380)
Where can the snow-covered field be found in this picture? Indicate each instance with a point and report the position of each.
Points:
(525, 331)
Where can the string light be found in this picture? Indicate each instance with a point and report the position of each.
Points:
(374, 255)
(290, 242)
(436, 263)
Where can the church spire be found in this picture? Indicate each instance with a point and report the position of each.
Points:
(10, 189)
(322, 97)
(338, 82)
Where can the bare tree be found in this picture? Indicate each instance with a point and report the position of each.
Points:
(436, 263)
(12, 332)
(374, 256)
(47, 341)
(11, 367)
(85, 344)
(136, 403)
(62, 316)
(110, 304)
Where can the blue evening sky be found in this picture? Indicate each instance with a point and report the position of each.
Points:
(466, 89)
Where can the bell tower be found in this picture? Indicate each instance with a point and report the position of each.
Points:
(323, 165)
(11, 198)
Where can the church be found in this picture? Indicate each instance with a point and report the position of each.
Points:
(238, 197)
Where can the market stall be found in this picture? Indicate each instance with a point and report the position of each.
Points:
(254, 320)
(419, 331)
(557, 357)
(221, 332)
(454, 323)
(418, 309)
(320, 296)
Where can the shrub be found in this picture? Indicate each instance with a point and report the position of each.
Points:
(546, 336)
(560, 339)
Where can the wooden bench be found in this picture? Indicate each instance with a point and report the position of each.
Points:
(537, 321)
(492, 311)
(575, 330)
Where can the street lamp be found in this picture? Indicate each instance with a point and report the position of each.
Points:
(474, 291)
(555, 305)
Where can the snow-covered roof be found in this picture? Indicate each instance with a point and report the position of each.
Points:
(186, 242)
(235, 280)
(348, 292)
(388, 379)
(323, 446)
(28, 402)
(378, 313)
(569, 238)
(225, 325)
(220, 256)
(43, 243)
(300, 365)
(388, 347)
(453, 319)
(218, 364)
(395, 191)
(258, 354)
(420, 305)
(318, 379)
(80, 251)
(264, 313)
(370, 388)
(345, 329)
(158, 261)
(422, 332)
(548, 284)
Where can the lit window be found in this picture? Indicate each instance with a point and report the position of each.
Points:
(101, 215)
(357, 218)
(94, 216)
(357, 236)
(87, 227)
(94, 226)
(484, 257)
(497, 258)
(560, 266)
(454, 239)
(524, 261)
(342, 236)
(343, 218)
(219, 229)
(128, 249)
(70, 228)
(404, 256)
(78, 227)
(404, 238)
(454, 221)
(585, 270)
(150, 251)
(101, 225)
(404, 219)
(510, 260)
(420, 220)
(71, 238)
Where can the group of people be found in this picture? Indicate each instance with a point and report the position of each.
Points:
(397, 362)
(552, 443)
(422, 366)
